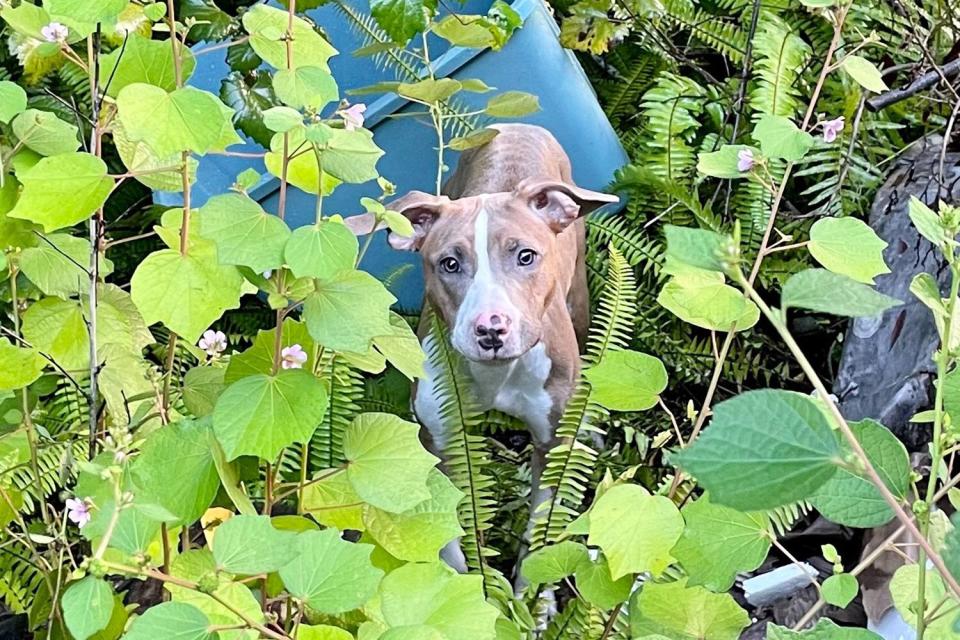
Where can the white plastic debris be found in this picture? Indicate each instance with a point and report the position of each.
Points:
(780, 583)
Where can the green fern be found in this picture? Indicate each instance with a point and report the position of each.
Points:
(671, 109)
(780, 58)
(465, 457)
(345, 391)
(571, 464)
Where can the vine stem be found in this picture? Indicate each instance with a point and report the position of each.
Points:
(824, 395)
(943, 361)
(96, 229)
(704, 412)
(187, 584)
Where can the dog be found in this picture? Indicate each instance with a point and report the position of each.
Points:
(503, 259)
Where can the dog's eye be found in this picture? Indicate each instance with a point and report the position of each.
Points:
(450, 265)
(526, 257)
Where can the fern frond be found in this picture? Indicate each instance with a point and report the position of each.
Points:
(780, 58)
(20, 579)
(345, 389)
(465, 456)
(571, 464)
(671, 109)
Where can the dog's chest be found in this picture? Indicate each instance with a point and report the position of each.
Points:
(517, 388)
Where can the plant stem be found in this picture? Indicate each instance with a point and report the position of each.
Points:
(96, 227)
(704, 412)
(25, 400)
(943, 362)
(824, 395)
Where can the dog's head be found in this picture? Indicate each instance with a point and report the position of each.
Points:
(491, 261)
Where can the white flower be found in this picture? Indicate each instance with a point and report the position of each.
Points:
(266, 274)
(745, 160)
(832, 128)
(293, 357)
(352, 116)
(213, 342)
(55, 32)
(78, 511)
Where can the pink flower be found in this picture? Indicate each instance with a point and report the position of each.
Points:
(213, 342)
(745, 160)
(352, 116)
(55, 32)
(832, 128)
(78, 511)
(293, 357)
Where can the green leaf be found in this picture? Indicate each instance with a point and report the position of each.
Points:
(554, 562)
(348, 310)
(84, 11)
(780, 440)
(475, 138)
(144, 60)
(702, 299)
(175, 469)
(187, 119)
(45, 133)
(679, 612)
(261, 414)
(512, 104)
(18, 366)
(903, 589)
(258, 359)
(827, 292)
(56, 328)
(865, 73)
(13, 100)
(303, 171)
(849, 247)
(719, 542)
(187, 293)
(598, 587)
(58, 265)
(173, 621)
(282, 119)
(350, 156)
(927, 222)
(418, 534)
(330, 574)
(248, 545)
(436, 596)
(322, 632)
(267, 27)
(156, 172)
(201, 388)
(779, 137)
(430, 91)
(402, 348)
(925, 287)
(698, 248)
(472, 31)
(723, 162)
(213, 605)
(635, 530)
(401, 19)
(62, 190)
(244, 233)
(120, 329)
(851, 499)
(627, 381)
(306, 87)
(825, 629)
(333, 502)
(87, 607)
(839, 590)
(321, 250)
(386, 463)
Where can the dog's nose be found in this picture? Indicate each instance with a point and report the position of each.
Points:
(491, 328)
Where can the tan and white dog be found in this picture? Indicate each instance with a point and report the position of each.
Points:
(503, 258)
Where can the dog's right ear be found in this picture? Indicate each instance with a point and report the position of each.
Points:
(420, 208)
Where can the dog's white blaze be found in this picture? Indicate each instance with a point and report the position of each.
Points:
(484, 292)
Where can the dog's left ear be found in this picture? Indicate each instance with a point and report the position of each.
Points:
(559, 203)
